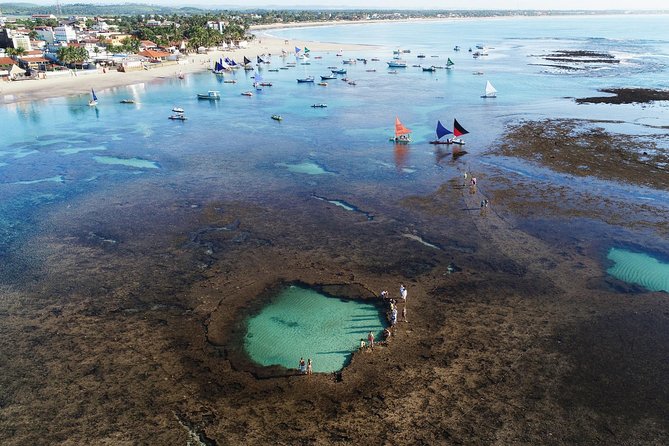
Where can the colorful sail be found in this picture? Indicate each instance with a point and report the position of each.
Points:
(442, 131)
(449, 62)
(297, 50)
(306, 50)
(246, 61)
(458, 130)
(400, 129)
(95, 98)
(259, 60)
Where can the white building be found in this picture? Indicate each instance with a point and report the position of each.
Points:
(217, 25)
(22, 41)
(64, 34)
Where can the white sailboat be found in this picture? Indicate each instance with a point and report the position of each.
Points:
(490, 91)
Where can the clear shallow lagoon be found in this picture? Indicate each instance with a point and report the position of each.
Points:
(231, 149)
(300, 322)
(639, 268)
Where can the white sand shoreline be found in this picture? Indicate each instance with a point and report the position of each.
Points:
(29, 90)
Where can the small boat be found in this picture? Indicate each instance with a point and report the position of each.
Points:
(339, 71)
(434, 56)
(449, 63)
(181, 76)
(432, 68)
(308, 79)
(397, 64)
(361, 59)
(305, 63)
(94, 99)
(265, 84)
(345, 79)
(490, 91)
(348, 61)
(283, 68)
(332, 68)
(406, 51)
(247, 93)
(456, 48)
(402, 134)
(416, 65)
(274, 70)
(371, 71)
(392, 72)
(328, 77)
(375, 59)
(229, 81)
(277, 117)
(127, 101)
(441, 132)
(212, 95)
(477, 73)
(421, 56)
(177, 110)
(319, 105)
(177, 117)
(458, 131)
(323, 84)
(318, 57)
(352, 83)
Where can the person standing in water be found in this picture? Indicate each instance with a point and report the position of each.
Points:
(309, 369)
(370, 339)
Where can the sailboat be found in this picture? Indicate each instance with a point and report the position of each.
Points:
(449, 64)
(94, 99)
(257, 81)
(441, 132)
(219, 67)
(402, 134)
(490, 91)
(458, 131)
(248, 65)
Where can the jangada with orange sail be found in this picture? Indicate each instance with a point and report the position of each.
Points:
(402, 134)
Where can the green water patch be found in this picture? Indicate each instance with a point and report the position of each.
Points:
(306, 167)
(639, 268)
(74, 150)
(300, 322)
(130, 162)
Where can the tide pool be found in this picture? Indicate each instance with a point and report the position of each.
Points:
(302, 323)
(639, 268)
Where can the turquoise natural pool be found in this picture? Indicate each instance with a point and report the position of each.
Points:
(300, 322)
(639, 268)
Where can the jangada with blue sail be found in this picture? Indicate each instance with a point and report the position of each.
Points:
(441, 132)
(94, 99)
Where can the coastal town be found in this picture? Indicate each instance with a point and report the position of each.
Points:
(45, 45)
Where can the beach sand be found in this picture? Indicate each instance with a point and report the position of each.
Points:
(30, 90)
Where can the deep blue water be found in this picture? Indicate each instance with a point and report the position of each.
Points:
(55, 151)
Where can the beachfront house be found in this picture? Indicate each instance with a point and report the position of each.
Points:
(6, 64)
(33, 61)
(155, 56)
(14, 39)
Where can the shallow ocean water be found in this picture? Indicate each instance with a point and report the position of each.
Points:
(58, 152)
(300, 322)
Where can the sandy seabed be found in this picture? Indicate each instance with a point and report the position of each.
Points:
(126, 335)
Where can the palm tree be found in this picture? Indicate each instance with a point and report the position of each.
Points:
(20, 51)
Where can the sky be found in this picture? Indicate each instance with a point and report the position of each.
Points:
(396, 4)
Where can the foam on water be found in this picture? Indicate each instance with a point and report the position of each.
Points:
(639, 268)
(56, 179)
(131, 162)
(300, 322)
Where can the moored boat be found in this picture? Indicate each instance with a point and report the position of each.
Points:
(458, 131)
(177, 117)
(277, 117)
(432, 68)
(308, 79)
(397, 64)
(319, 105)
(323, 84)
(328, 77)
(339, 71)
(212, 95)
(127, 101)
(247, 93)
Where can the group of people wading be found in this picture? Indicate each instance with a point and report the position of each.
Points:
(391, 314)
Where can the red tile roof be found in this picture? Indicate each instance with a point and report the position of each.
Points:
(7, 61)
(153, 54)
